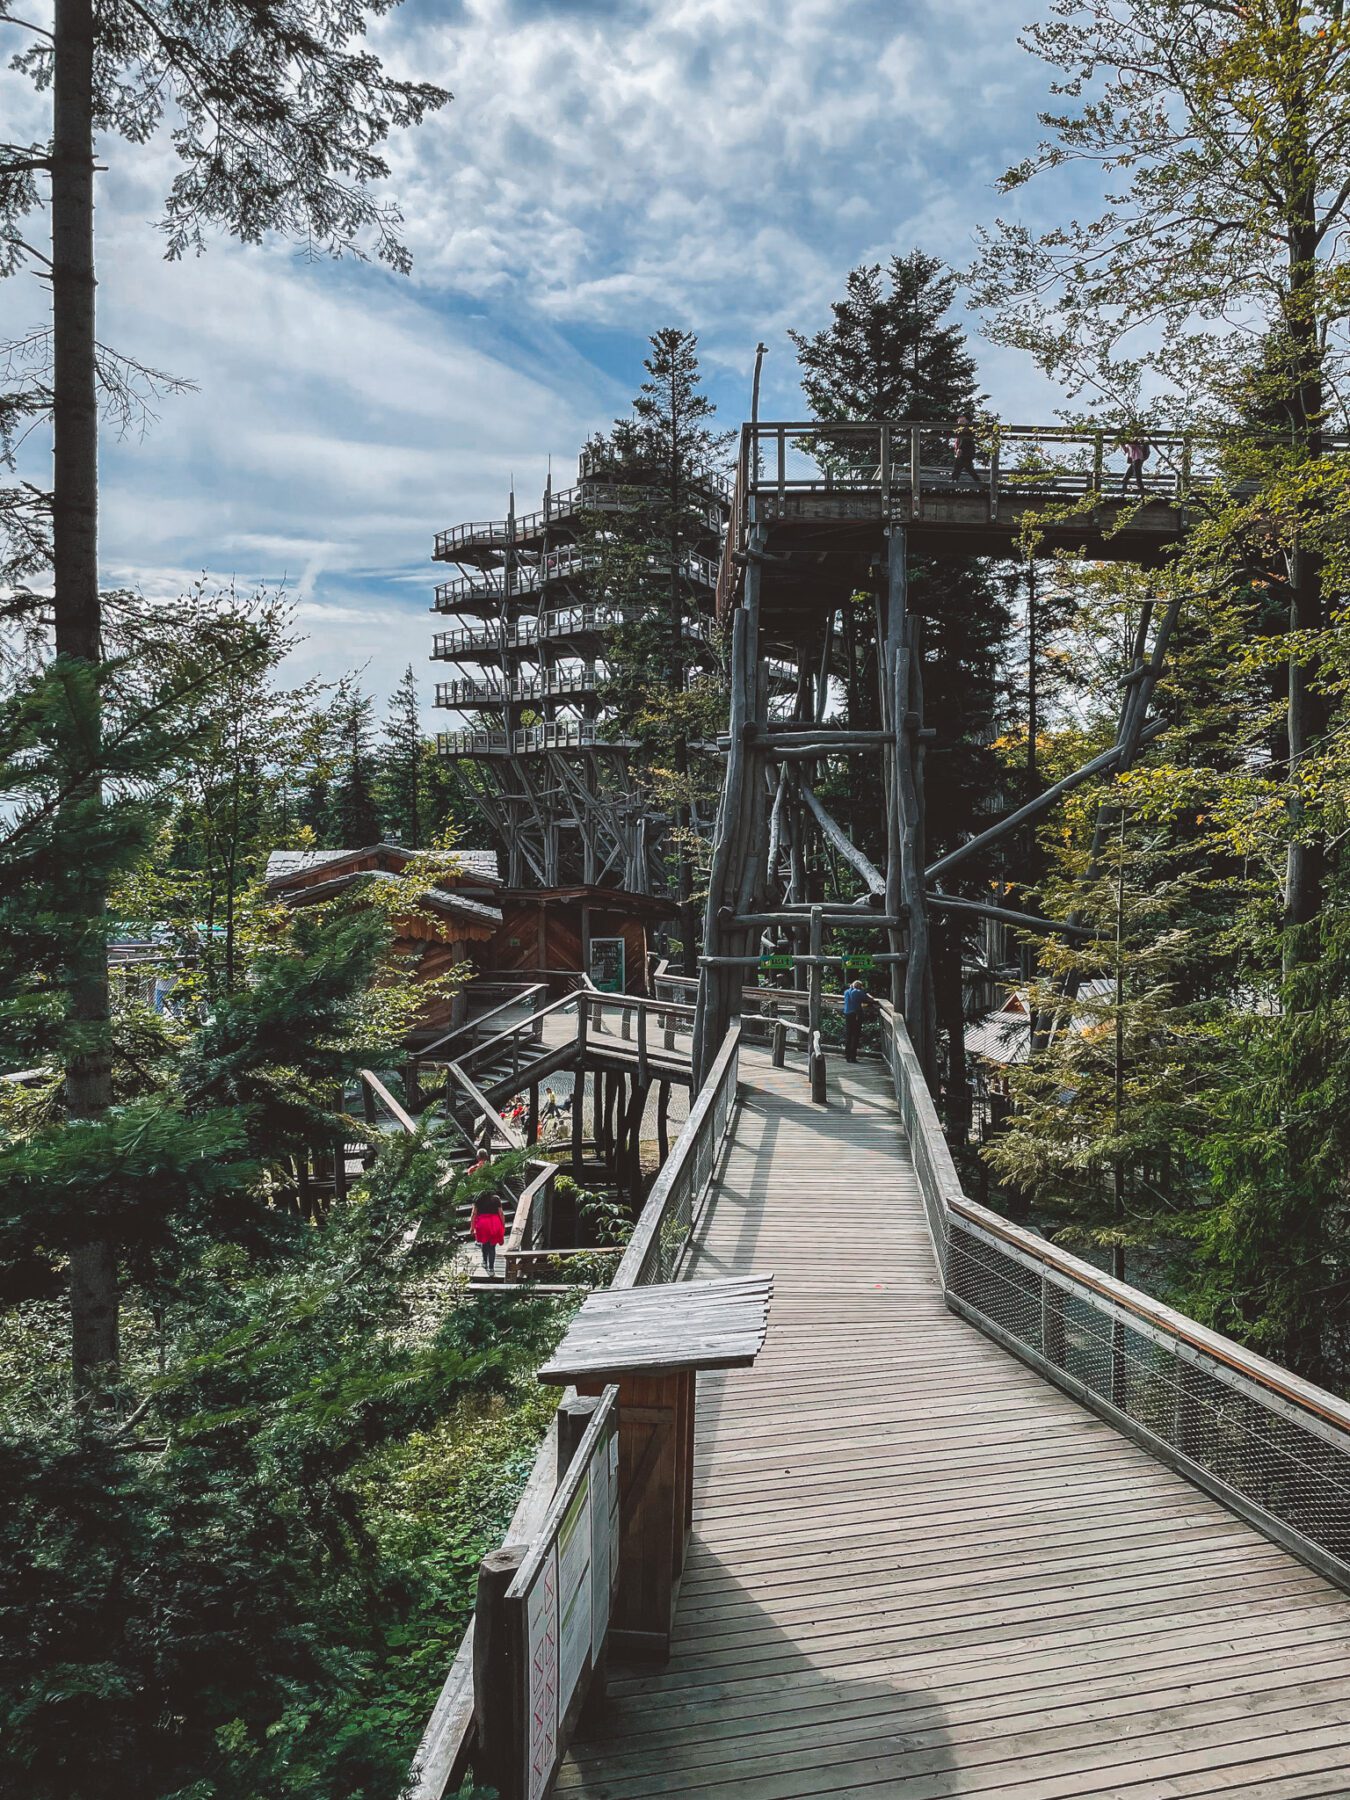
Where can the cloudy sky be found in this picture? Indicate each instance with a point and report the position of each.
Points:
(607, 167)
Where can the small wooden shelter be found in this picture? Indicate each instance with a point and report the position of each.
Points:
(447, 923)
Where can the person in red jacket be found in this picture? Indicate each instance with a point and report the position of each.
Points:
(489, 1230)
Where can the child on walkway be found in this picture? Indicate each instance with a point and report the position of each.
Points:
(489, 1230)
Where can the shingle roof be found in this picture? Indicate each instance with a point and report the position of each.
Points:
(284, 863)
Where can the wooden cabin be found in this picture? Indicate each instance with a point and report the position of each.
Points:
(449, 924)
(602, 931)
(506, 934)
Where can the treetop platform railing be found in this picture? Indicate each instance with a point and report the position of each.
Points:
(914, 458)
(592, 496)
(1272, 1447)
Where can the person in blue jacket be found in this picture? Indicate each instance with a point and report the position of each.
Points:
(857, 1002)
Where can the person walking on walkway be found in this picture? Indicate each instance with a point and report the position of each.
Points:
(857, 1001)
(489, 1230)
(963, 449)
(1136, 455)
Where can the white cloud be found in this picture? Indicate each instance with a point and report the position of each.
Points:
(605, 168)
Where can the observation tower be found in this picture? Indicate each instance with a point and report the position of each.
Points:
(532, 615)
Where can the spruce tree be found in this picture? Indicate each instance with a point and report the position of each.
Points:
(402, 760)
(891, 353)
(356, 816)
(667, 454)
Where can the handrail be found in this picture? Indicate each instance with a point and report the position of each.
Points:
(521, 1234)
(538, 987)
(652, 1254)
(486, 1111)
(666, 1221)
(387, 1100)
(1273, 1447)
(476, 1050)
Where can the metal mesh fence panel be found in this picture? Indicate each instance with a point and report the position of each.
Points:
(1270, 1443)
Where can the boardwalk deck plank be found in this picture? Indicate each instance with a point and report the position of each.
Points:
(918, 1569)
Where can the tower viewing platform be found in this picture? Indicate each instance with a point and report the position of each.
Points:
(830, 493)
(533, 615)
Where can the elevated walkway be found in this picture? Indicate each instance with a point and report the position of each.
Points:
(918, 1568)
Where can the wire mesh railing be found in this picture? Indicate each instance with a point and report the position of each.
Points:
(1274, 1448)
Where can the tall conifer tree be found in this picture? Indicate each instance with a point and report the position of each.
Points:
(891, 352)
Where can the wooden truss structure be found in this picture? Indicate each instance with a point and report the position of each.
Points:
(802, 545)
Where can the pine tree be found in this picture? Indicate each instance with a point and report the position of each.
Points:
(356, 817)
(402, 766)
(891, 353)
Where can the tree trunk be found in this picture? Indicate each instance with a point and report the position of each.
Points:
(88, 1082)
(1307, 714)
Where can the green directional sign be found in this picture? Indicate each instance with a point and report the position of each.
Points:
(775, 962)
(863, 961)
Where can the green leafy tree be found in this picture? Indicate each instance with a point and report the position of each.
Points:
(1225, 133)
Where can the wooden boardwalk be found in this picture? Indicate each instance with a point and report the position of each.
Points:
(918, 1569)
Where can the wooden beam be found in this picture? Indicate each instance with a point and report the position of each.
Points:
(1041, 803)
(1006, 915)
(843, 843)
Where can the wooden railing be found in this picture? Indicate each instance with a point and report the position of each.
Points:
(653, 1254)
(471, 1031)
(542, 1618)
(666, 1224)
(1272, 1447)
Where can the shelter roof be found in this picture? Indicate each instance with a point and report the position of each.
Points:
(718, 1324)
(286, 865)
(604, 899)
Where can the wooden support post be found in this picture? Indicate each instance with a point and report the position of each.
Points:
(655, 1491)
(574, 1415)
(915, 472)
(813, 971)
(779, 1043)
(905, 886)
(891, 616)
(532, 1118)
(578, 1108)
(719, 986)
(499, 1685)
(642, 1047)
(993, 480)
(663, 1122)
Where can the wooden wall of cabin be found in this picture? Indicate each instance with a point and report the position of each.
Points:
(533, 937)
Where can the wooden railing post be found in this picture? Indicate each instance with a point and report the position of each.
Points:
(993, 478)
(499, 1678)
(642, 1046)
(779, 1043)
(915, 472)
